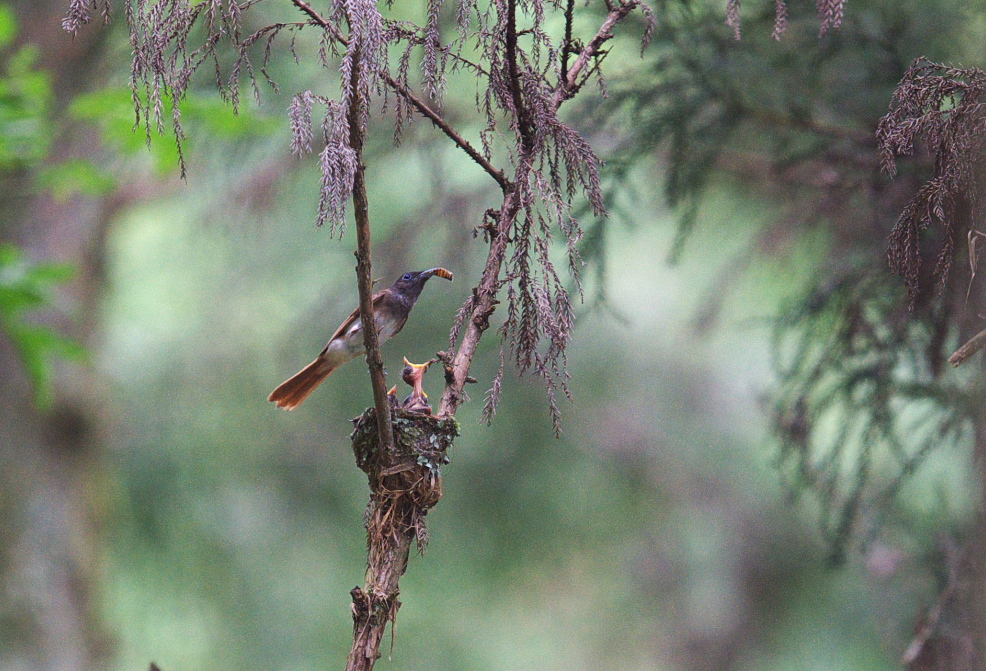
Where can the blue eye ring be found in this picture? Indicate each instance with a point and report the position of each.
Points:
(407, 277)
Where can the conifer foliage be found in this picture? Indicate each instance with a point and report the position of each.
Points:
(524, 74)
(940, 108)
(525, 67)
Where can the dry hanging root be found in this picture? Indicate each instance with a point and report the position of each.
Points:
(405, 483)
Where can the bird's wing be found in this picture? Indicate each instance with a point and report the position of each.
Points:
(346, 325)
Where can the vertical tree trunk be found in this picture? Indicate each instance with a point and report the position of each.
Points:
(405, 483)
(49, 461)
(975, 564)
(961, 646)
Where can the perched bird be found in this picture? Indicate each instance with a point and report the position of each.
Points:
(413, 374)
(391, 308)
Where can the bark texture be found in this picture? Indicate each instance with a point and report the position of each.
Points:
(405, 483)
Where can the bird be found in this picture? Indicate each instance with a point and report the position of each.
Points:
(392, 399)
(413, 374)
(391, 308)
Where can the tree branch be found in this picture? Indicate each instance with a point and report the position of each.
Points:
(369, 625)
(319, 21)
(570, 85)
(484, 297)
(450, 132)
(415, 101)
(566, 48)
(976, 343)
(405, 483)
(364, 266)
(520, 110)
(482, 303)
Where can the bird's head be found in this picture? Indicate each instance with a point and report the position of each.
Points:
(411, 283)
(414, 372)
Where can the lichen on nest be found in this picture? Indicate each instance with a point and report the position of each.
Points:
(407, 482)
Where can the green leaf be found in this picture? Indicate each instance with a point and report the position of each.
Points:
(76, 177)
(36, 346)
(112, 109)
(26, 285)
(109, 103)
(217, 118)
(47, 274)
(25, 100)
(8, 25)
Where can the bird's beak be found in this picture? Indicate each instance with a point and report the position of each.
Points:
(418, 367)
(438, 272)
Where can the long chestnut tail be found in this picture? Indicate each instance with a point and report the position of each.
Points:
(290, 393)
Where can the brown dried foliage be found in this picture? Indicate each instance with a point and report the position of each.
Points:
(939, 107)
(523, 74)
(830, 15)
(80, 13)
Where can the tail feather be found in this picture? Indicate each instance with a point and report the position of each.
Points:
(290, 393)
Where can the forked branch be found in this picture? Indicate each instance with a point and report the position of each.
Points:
(413, 100)
(570, 84)
(481, 305)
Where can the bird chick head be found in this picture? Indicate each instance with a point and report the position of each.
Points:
(413, 371)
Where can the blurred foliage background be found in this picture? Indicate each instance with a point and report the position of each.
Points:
(156, 508)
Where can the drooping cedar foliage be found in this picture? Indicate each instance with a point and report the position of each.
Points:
(830, 15)
(862, 396)
(524, 73)
(939, 107)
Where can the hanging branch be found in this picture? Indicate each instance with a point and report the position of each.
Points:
(482, 303)
(570, 84)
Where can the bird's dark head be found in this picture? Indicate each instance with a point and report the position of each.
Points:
(410, 284)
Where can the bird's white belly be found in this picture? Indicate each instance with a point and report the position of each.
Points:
(350, 346)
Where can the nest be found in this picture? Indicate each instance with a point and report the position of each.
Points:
(405, 483)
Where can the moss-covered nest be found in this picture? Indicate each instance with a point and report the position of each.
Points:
(406, 482)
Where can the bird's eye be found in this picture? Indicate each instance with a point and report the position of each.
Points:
(407, 277)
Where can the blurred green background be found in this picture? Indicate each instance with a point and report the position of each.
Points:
(159, 509)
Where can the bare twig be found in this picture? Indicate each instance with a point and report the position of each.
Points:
(974, 237)
(450, 132)
(976, 343)
(928, 626)
(364, 268)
